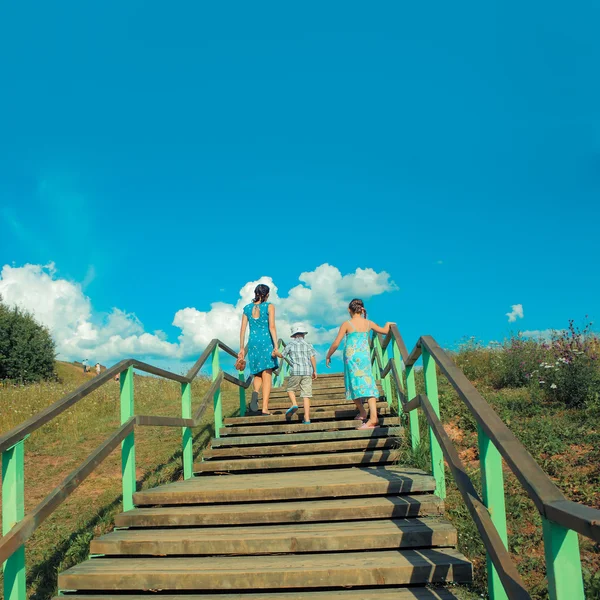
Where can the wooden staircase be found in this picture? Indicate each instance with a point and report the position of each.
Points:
(280, 509)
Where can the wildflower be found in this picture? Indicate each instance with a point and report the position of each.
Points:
(542, 382)
(553, 386)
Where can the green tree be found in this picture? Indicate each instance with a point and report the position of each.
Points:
(27, 350)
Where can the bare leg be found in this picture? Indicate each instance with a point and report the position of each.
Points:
(257, 382)
(292, 396)
(267, 377)
(361, 409)
(374, 419)
(306, 409)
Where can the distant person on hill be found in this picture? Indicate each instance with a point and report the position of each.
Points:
(97, 368)
(262, 344)
(85, 365)
(301, 355)
(358, 377)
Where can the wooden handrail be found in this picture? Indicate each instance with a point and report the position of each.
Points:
(23, 530)
(540, 488)
(15, 435)
(509, 576)
(548, 498)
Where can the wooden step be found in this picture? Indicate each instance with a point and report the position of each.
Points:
(306, 437)
(242, 452)
(316, 415)
(388, 593)
(276, 539)
(326, 483)
(321, 401)
(318, 390)
(301, 427)
(305, 461)
(304, 511)
(399, 567)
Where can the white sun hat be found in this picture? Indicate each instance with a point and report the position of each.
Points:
(298, 328)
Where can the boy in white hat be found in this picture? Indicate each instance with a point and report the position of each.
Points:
(301, 356)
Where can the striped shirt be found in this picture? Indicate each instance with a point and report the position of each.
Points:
(299, 352)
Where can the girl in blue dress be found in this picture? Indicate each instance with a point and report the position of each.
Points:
(358, 377)
(262, 343)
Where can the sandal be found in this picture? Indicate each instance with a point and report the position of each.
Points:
(368, 425)
(359, 418)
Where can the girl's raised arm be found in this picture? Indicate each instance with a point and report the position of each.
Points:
(243, 335)
(336, 343)
(385, 329)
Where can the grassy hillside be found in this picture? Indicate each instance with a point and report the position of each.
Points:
(57, 448)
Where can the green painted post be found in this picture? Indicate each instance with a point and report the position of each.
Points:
(385, 384)
(128, 444)
(413, 415)
(563, 563)
(242, 394)
(437, 458)
(217, 397)
(187, 451)
(492, 487)
(13, 511)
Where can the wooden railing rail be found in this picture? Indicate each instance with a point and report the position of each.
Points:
(17, 527)
(562, 519)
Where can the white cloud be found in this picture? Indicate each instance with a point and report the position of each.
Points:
(516, 313)
(62, 306)
(320, 301)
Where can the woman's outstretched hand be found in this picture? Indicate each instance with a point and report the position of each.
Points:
(328, 362)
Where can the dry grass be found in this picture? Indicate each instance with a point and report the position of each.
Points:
(57, 448)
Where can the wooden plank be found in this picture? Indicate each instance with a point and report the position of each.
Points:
(306, 437)
(321, 402)
(275, 539)
(303, 511)
(301, 427)
(316, 415)
(270, 572)
(287, 449)
(417, 593)
(201, 360)
(333, 406)
(497, 552)
(304, 461)
(326, 483)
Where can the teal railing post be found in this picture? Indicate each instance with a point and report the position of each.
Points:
(385, 384)
(128, 444)
(242, 394)
(437, 458)
(187, 451)
(217, 397)
(492, 487)
(413, 415)
(13, 511)
(563, 563)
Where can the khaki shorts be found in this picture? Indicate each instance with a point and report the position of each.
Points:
(302, 384)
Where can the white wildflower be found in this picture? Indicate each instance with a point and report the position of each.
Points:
(542, 382)
(553, 386)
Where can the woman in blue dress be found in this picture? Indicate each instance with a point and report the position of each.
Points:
(358, 377)
(262, 343)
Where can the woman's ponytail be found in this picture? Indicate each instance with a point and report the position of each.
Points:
(357, 307)
(261, 292)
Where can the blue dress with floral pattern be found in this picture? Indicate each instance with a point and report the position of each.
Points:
(358, 377)
(260, 344)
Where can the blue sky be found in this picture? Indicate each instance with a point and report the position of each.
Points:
(162, 157)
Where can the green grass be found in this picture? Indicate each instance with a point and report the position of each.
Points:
(566, 444)
(59, 447)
